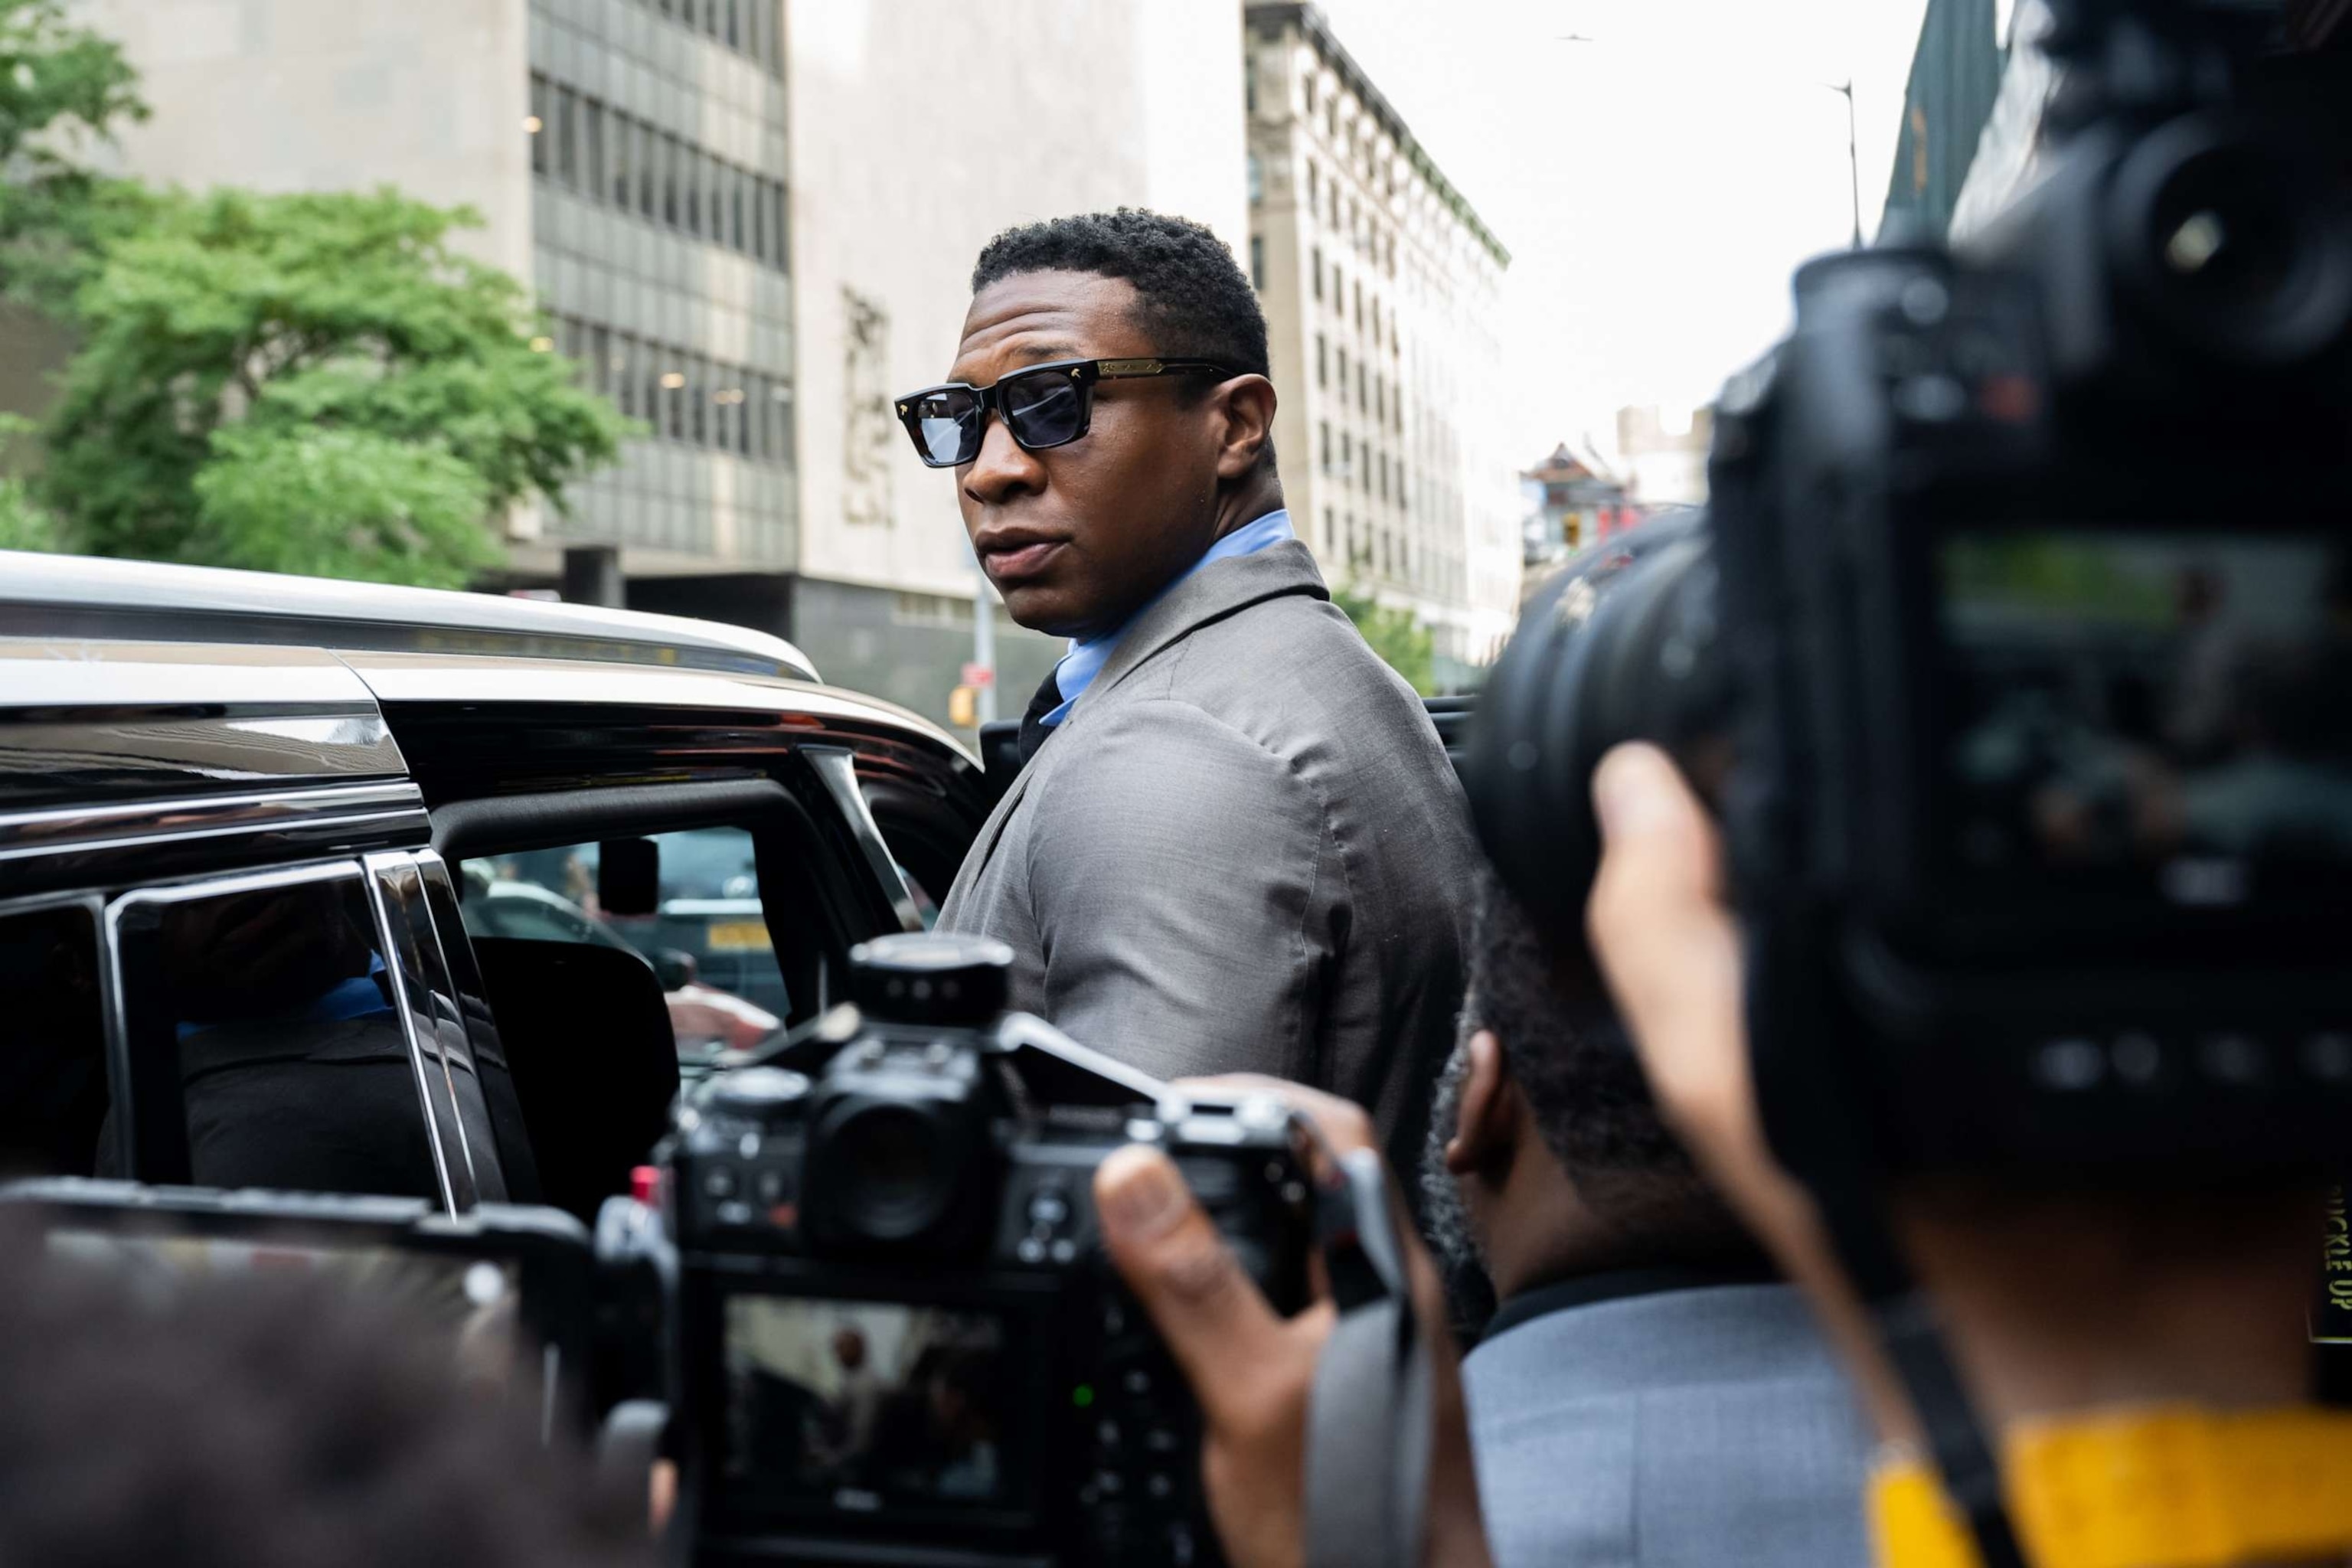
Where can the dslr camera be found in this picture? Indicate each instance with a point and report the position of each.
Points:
(896, 1338)
(2014, 652)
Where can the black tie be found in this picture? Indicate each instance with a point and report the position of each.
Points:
(1034, 728)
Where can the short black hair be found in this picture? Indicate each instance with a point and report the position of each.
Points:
(267, 1420)
(1571, 1058)
(1191, 297)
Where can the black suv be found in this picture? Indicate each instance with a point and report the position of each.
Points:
(312, 885)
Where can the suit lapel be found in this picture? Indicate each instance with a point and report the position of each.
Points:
(1219, 589)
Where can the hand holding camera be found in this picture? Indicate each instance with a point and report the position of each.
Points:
(1255, 1372)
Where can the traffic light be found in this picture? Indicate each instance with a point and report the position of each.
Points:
(963, 707)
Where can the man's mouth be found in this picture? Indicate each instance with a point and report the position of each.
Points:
(1016, 563)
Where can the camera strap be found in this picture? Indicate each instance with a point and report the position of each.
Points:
(1369, 1414)
(1914, 1341)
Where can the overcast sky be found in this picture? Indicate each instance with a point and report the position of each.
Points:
(1655, 187)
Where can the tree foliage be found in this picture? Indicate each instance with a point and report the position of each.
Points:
(313, 382)
(62, 88)
(1400, 640)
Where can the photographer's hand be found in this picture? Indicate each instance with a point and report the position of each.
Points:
(1253, 1372)
(2053, 1303)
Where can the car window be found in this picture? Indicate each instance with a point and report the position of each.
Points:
(53, 1085)
(266, 1049)
(707, 939)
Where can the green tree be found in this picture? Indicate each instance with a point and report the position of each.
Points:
(310, 383)
(62, 88)
(1400, 640)
(23, 524)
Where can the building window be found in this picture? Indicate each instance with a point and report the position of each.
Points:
(620, 193)
(760, 219)
(644, 156)
(1347, 457)
(1311, 92)
(567, 154)
(1339, 290)
(778, 244)
(537, 125)
(670, 154)
(1313, 187)
(592, 129)
(1257, 262)
(1319, 274)
(1361, 401)
(1322, 361)
(1326, 445)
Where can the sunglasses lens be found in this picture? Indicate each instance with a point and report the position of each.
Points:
(1045, 410)
(942, 422)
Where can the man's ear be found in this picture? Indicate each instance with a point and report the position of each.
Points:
(1485, 1124)
(1247, 403)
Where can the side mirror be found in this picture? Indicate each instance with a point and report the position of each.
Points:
(675, 970)
(628, 875)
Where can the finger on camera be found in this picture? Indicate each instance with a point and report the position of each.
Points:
(1343, 1123)
(1165, 1247)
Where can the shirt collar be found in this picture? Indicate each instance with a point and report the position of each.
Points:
(1615, 1285)
(1088, 654)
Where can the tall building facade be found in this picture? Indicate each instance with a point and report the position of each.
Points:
(1381, 288)
(750, 223)
(630, 161)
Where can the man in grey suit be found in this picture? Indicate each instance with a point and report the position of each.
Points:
(1646, 1394)
(1236, 844)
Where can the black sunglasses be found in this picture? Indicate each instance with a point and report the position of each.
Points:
(1043, 406)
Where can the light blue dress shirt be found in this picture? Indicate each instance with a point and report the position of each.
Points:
(1088, 654)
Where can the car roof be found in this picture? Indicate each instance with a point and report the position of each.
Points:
(89, 596)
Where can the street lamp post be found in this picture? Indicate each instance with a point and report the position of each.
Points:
(1853, 140)
(1853, 152)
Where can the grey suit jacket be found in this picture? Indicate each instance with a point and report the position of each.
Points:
(1683, 1428)
(1243, 849)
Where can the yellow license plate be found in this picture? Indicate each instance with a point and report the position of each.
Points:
(738, 936)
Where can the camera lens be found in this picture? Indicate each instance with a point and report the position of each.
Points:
(2233, 245)
(885, 1175)
(1621, 646)
(930, 977)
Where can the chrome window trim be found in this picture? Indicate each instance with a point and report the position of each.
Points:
(837, 768)
(153, 844)
(397, 911)
(54, 828)
(399, 989)
(118, 1023)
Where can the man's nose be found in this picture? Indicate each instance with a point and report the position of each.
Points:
(1004, 469)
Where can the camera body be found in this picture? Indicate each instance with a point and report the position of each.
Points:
(2013, 651)
(898, 1338)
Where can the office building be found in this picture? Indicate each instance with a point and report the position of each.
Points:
(1381, 285)
(750, 222)
(629, 161)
